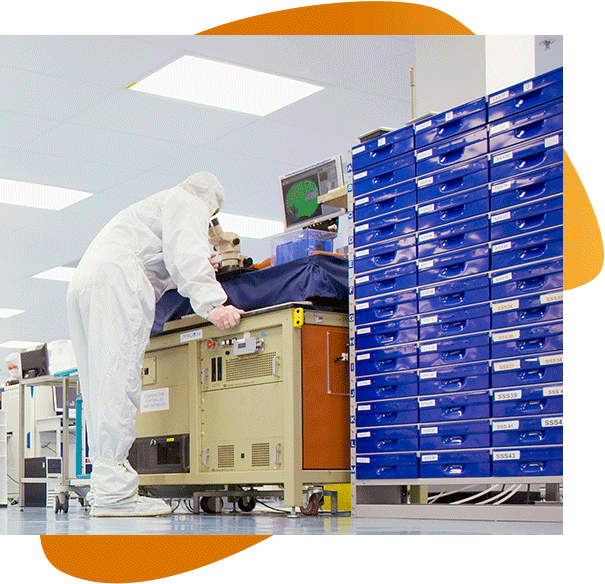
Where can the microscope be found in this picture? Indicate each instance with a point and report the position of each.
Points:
(227, 245)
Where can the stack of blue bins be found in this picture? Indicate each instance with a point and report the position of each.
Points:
(457, 305)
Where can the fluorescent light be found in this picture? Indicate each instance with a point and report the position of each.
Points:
(27, 194)
(19, 345)
(249, 226)
(224, 86)
(60, 273)
(7, 312)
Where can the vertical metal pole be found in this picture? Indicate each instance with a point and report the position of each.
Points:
(65, 436)
(21, 443)
(412, 86)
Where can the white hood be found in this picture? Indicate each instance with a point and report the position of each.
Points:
(205, 186)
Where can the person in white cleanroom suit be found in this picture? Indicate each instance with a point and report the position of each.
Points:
(13, 364)
(156, 244)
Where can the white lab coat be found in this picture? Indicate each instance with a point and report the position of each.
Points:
(156, 244)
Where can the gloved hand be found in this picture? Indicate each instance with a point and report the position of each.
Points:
(225, 317)
(215, 261)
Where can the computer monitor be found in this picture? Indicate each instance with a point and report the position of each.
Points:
(301, 189)
(72, 394)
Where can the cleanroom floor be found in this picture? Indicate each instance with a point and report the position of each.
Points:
(44, 521)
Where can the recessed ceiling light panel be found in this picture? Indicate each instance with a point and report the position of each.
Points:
(60, 273)
(224, 86)
(27, 194)
(8, 312)
(251, 227)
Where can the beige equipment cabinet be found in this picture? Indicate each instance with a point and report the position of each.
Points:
(264, 403)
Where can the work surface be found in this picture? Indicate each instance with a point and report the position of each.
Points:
(44, 521)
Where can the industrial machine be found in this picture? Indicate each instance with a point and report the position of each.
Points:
(263, 404)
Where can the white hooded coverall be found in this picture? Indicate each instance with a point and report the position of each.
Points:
(156, 244)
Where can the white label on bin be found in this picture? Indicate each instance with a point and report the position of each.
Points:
(363, 460)
(502, 278)
(364, 331)
(552, 422)
(363, 227)
(362, 201)
(364, 383)
(428, 375)
(191, 336)
(429, 457)
(363, 357)
(425, 154)
(499, 97)
(508, 425)
(155, 400)
(499, 128)
(507, 455)
(551, 141)
(364, 434)
(426, 236)
(364, 408)
(432, 430)
(506, 395)
(425, 181)
(362, 279)
(358, 149)
(428, 348)
(507, 336)
(360, 175)
(449, 116)
(528, 86)
(507, 365)
(425, 265)
(429, 403)
(548, 298)
(381, 141)
(502, 158)
(362, 253)
(424, 125)
(551, 360)
(427, 292)
(426, 209)
(501, 247)
(502, 306)
(501, 187)
(362, 306)
(551, 391)
(500, 217)
(429, 320)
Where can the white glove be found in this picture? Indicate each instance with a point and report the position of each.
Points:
(215, 261)
(225, 317)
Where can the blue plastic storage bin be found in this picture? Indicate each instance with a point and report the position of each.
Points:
(387, 466)
(528, 462)
(391, 386)
(533, 123)
(454, 378)
(394, 332)
(382, 148)
(386, 281)
(527, 218)
(455, 464)
(454, 350)
(453, 237)
(454, 294)
(387, 307)
(387, 413)
(389, 360)
(452, 151)
(528, 370)
(527, 401)
(450, 123)
(453, 180)
(454, 407)
(525, 95)
(455, 322)
(455, 435)
(528, 156)
(384, 228)
(529, 340)
(533, 309)
(386, 255)
(453, 208)
(541, 277)
(388, 200)
(529, 431)
(391, 439)
(535, 247)
(527, 187)
(453, 265)
(384, 174)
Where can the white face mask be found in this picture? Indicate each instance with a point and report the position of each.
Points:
(14, 371)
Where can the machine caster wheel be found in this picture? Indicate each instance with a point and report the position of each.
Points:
(213, 505)
(246, 504)
(312, 506)
(61, 503)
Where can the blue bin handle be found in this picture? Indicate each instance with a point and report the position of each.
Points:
(454, 469)
(452, 185)
(384, 259)
(531, 160)
(531, 222)
(531, 344)
(529, 130)
(529, 98)
(532, 313)
(452, 156)
(457, 326)
(384, 150)
(531, 283)
(458, 355)
(453, 412)
(452, 212)
(531, 253)
(453, 270)
(532, 374)
(450, 128)
(387, 177)
(532, 436)
(532, 467)
(453, 384)
(530, 191)
(453, 439)
(450, 242)
(449, 299)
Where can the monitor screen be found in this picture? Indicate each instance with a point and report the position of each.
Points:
(301, 189)
(72, 394)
